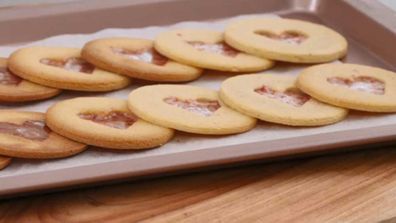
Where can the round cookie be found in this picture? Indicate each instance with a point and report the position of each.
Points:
(25, 135)
(286, 40)
(62, 68)
(206, 49)
(105, 122)
(4, 161)
(15, 89)
(136, 58)
(351, 86)
(274, 98)
(187, 108)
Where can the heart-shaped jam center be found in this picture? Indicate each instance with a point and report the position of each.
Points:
(8, 78)
(32, 129)
(290, 96)
(70, 64)
(203, 107)
(360, 83)
(145, 55)
(218, 48)
(114, 119)
(290, 37)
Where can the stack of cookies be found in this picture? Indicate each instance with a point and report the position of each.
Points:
(319, 95)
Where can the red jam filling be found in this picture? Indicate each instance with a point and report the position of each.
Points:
(70, 64)
(201, 106)
(145, 55)
(218, 48)
(34, 130)
(7, 78)
(114, 119)
(360, 83)
(290, 37)
(290, 96)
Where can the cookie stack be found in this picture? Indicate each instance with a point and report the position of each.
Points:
(319, 95)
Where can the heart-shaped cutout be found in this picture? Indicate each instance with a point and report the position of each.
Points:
(203, 107)
(33, 129)
(360, 83)
(145, 55)
(291, 96)
(70, 64)
(114, 119)
(290, 37)
(218, 48)
(8, 78)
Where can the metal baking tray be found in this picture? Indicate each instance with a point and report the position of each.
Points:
(369, 27)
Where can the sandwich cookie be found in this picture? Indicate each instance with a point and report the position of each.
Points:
(351, 86)
(62, 68)
(25, 135)
(15, 89)
(136, 58)
(275, 98)
(187, 108)
(105, 122)
(286, 40)
(207, 49)
(4, 161)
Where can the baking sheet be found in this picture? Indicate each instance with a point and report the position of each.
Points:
(182, 143)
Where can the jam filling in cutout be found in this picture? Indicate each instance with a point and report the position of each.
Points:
(290, 96)
(8, 78)
(32, 129)
(145, 55)
(114, 119)
(290, 37)
(360, 83)
(203, 107)
(70, 64)
(218, 48)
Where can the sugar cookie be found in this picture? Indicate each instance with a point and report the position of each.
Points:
(206, 49)
(287, 40)
(351, 86)
(62, 68)
(105, 122)
(187, 108)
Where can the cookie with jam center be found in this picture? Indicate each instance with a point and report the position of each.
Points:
(207, 49)
(105, 122)
(187, 108)
(15, 89)
(63, 68)
(275, 98)
(136, 58)
(352, 86)
(287, 40)
(4, 162)
(25, 135)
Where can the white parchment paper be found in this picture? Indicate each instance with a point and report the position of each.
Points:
(182, 142)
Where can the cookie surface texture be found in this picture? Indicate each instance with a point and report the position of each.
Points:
(286, 40)
(274, 98)
(206, 49)
(187, 108)
(351, 86)
(105, 122)
(62, 68)
(25, 135)
(137, 58)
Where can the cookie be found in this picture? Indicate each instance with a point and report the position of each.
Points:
(206, 49)
(25, 135)
(287, 40)
(105, 122)
(187, 108)
(275, 98)
(62, 68)
(4, 161)
(15, 89)
(351, 86)
(136, 58)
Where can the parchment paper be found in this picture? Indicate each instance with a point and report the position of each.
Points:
(182, 142)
